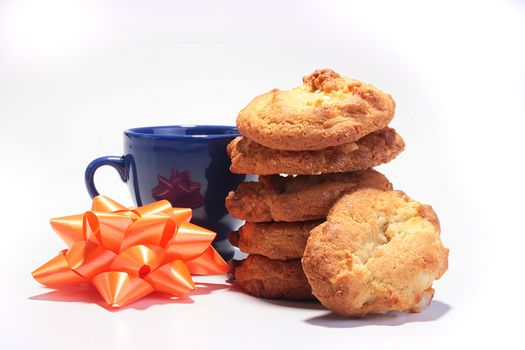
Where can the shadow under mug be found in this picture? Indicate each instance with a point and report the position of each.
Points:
(187, 165)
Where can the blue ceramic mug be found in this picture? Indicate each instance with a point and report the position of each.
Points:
(187, 165)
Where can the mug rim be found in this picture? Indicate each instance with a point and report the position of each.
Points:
(139, 132)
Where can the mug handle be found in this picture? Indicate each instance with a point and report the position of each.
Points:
(113, 161)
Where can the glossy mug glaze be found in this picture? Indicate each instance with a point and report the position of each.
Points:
(187, 165)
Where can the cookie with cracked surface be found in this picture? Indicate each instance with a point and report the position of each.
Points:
(379, 147)
(378, 251)
(273, 279)
(327, 110)
(297, 198)
(274, 240)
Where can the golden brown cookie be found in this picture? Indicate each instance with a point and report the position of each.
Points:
(378, 251)
(273, 279)
(374, 149)
(275, 240)
(299, 198)
(327, 110)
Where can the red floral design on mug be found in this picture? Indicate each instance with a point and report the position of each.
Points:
(179, 190)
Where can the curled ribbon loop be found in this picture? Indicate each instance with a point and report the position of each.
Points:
(129, 253)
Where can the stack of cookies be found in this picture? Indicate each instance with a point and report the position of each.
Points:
(312, 147)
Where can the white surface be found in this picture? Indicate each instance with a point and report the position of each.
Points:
(73, 75)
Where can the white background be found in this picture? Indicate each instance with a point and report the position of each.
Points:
(75, 74)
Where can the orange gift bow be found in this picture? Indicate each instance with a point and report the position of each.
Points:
(129, 253)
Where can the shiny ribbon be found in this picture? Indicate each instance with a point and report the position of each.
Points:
(128, 253)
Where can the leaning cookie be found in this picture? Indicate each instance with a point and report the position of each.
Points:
(273, 279)
(378, 251)
(327, 110)
(297, 198)
(377, 148)
(275, 240)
